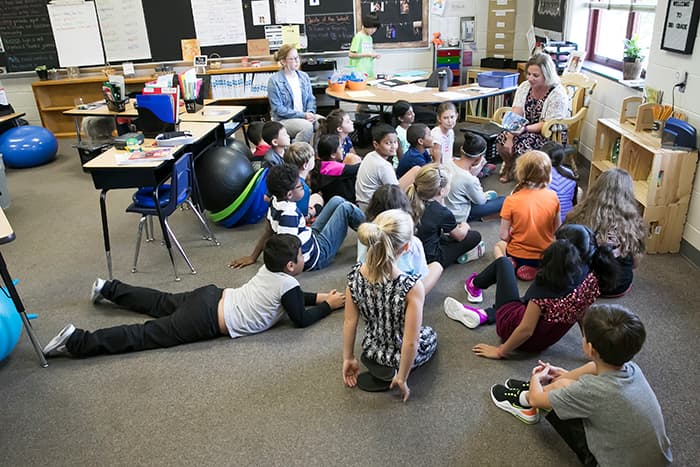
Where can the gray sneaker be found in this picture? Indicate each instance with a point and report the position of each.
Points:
(96, 292)
(57, 346)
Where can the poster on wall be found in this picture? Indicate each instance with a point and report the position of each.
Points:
(548, 18)
(681, 26)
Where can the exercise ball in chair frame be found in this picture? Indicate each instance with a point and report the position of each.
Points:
(222, 175)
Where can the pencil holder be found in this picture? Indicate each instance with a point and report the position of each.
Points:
(115, 106)
(191, 105)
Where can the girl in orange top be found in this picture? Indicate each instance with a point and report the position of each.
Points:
(530, 215)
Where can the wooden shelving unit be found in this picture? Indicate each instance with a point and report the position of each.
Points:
(663, 179)
(53, 97)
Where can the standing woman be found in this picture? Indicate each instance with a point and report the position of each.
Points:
(292, 101)
(539, 98)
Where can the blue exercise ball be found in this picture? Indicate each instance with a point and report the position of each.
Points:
(222, 175)
(10, 325)
(27, 146)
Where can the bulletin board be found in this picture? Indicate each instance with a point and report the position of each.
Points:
(404, 23)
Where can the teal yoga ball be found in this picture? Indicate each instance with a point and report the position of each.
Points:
(10, 325)
(27, 146)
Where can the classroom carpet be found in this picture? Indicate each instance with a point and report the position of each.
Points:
(277, 398)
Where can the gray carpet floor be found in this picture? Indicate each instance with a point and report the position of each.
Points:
(277, 398)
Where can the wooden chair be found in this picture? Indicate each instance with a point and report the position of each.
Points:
(579, 87)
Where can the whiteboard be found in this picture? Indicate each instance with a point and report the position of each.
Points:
(123, 28)
(214, 27)
(77, 34)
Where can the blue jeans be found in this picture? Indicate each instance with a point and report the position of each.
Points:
(331, 227)
(490, 207)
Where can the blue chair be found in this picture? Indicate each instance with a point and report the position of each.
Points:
(168, 199)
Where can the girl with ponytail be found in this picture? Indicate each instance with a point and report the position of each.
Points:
(391, 304)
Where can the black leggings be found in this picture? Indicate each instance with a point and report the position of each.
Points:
(501, 273)
(453, 249)
(574, 435)
(180, 319)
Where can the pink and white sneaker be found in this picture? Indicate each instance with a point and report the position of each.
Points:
(469, 316)
(474, 294)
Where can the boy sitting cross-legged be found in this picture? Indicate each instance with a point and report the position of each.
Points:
(605, 410)
(204, 313)
(321, 241)
(376, 170)
(420, 142)
(274, 134)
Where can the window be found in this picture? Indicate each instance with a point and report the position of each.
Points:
(612, 21)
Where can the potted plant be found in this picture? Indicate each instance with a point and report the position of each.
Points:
(42, 72)
(632, 59)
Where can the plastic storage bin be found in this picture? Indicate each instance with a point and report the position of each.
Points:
(497, 79)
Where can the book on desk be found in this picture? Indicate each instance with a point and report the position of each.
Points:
(148, 155)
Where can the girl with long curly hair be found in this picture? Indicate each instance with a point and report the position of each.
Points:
(611, 211)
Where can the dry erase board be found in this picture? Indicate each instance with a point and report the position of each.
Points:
(404, 23)
(26, 36)
(28, 41)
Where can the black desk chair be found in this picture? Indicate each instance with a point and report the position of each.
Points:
(148, 203)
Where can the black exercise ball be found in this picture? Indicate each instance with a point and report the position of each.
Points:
(222, 175)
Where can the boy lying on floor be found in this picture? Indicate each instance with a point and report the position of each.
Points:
(204, 313)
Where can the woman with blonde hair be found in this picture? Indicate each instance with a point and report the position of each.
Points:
(541, 97)
(444, 239)
(611, 211)
(391, 304)
(292, 100)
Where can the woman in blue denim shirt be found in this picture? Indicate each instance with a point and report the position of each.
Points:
(292, 101)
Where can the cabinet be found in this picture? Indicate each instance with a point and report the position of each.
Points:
(663, 178)
(450, 57)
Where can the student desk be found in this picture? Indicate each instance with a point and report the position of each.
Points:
(100, 110)
(381, 96)
(220, 114)
(6, 236)
(10, 117)
(108, 175)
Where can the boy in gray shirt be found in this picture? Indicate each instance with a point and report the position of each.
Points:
(605, 410)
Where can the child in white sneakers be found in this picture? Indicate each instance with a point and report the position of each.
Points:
(604, 410)
(204, 313)
(567, 283)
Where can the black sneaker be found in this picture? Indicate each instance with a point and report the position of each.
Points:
(521, 385)
(381, 372)
(509, 400)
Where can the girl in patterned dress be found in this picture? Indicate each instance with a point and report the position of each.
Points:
(391, 304)
(539, 98)
(610, 210)
(573, 269)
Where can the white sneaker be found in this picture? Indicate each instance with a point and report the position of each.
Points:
(473, 254)
(57, 346)
(469, 316)
(96, 292)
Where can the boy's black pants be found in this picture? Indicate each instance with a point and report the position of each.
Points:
(574, 435)
(180, 319)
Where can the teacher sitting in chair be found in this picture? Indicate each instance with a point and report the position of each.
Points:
(539, 98)
(292, 101)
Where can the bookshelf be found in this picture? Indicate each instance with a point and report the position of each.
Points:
(663, 179)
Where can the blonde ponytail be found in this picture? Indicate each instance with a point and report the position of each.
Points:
(430, 179)
(384, 239)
